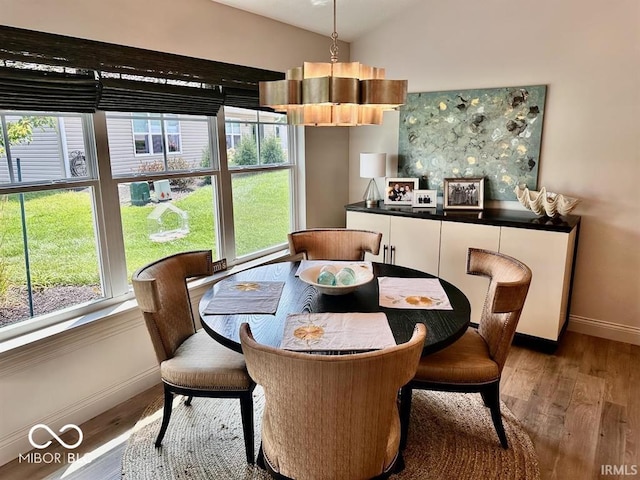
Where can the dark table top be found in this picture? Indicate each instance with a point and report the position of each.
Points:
(443, 326)
(488, 216)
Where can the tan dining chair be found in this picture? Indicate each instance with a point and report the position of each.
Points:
(474, 363)
(191, 362)
(331, 416)
(334, 243)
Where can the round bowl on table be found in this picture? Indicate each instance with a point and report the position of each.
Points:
(310, 276)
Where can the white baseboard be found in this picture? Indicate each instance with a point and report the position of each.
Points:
(610, 331)
(85, 409)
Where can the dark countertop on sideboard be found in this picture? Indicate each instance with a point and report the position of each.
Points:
(497, 217)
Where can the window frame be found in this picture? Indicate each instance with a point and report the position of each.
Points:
(108, 223)
(226, 178)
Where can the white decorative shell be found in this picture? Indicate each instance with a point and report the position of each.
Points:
(543, 203)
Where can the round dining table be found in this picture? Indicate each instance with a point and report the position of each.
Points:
(443, 326)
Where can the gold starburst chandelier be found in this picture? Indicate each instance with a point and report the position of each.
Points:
(334, 94)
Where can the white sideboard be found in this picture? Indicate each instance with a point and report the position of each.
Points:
(437, 242)
(409, 242)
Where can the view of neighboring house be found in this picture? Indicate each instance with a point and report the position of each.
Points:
(136, 144)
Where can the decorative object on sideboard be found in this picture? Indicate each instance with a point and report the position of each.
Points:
(334, 94)
(545, 203)
(399, 191)
(463, 193)
(372, 166)
(425, 199)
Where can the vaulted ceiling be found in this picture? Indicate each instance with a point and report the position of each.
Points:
(354, 17)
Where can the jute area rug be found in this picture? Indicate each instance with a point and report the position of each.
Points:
(451, 437)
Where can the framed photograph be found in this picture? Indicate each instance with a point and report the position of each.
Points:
(399, 191)
(425, 199)
(464, 193)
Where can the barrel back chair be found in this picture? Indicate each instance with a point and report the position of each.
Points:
(331, 416)
(334, 243)
(474, 362)
(191, 362)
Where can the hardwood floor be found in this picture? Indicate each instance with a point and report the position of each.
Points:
(581, 407)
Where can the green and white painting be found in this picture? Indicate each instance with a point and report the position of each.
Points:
(493, 133)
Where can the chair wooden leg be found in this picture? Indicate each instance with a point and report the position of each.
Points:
(166, 415)
(246, 411)
(187, 402)
(405, 412)
(491, 397)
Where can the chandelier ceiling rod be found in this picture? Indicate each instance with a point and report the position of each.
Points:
(333, 49)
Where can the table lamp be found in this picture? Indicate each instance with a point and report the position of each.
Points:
(372, 166)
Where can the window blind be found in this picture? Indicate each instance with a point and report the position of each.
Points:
(131, 96)
(140, 79)
(22, 89)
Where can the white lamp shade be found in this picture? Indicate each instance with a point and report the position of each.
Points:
(373, 165)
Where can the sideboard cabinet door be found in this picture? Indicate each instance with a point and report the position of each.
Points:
(374, 223)
(409, 242)
(549, 255)
(415, 243)
(456, 239)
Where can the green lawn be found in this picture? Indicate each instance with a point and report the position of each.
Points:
(62, 246)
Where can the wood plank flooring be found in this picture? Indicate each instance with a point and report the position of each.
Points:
(581, 407)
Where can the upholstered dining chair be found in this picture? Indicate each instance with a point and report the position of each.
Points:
(334, 243)
(331, 416)
(474, 362)
(191, 362)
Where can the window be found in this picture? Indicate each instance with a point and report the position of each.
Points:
(86, 196)
(256, 138)
(148, 135)
(49, 256)
(232, 131)
(164, 209)
(76, 222)
(261, 176)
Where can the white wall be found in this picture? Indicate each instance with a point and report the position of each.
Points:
(326, 176)
(586, 52)
(84, 371)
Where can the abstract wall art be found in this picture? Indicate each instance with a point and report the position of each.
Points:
(493, 133)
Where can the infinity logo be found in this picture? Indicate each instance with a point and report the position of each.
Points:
(53, 434)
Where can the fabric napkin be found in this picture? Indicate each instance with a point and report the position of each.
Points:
(234, 297)
(304, 264)
(417, 293)
(337, 331)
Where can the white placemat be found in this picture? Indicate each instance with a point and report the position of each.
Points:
(304, 264)
(245, 297)
(337, 331)
(416, 293)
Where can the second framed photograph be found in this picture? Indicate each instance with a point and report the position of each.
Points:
(399, 191)
(425, 199)
(464, 193)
